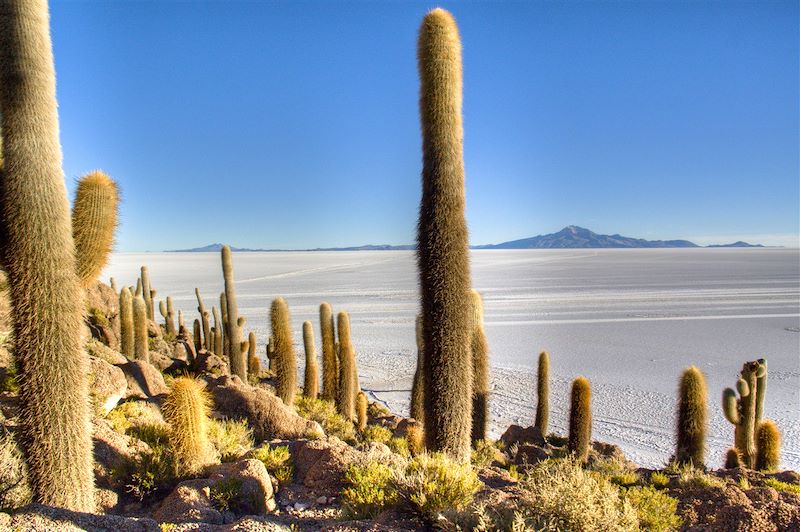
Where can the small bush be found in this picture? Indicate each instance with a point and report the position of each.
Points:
(324, 413)
(377, 410)
(376, 433)
(231, 438)
(133, 413)
(150, 473)
(153, 434)
(399, 446)
(774, 483)
(8, 380)
(277, 460)
(368, 490)
(659, 480)
(15, 491)
(226, 494)
(656, 510)
(625, 480)
(484, 453)
(691, 477)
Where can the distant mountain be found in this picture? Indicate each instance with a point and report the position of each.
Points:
(737, 244)
(577, 237)
(209, 248)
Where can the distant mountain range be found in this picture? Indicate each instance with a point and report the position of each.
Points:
(568, 238)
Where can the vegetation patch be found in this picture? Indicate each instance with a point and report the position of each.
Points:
(226, 494)
(231, 438)
(774, 483)
(324, 413)
(376, 433)
(277, 460)
(656, 510)
(369, 490)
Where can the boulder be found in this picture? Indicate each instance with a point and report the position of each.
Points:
(189, 502)
(144, 381)
(256, 494)
(38, 517)
(98, 349)
(107, 385)
(531, 454)
(209, 363)
(153, 329)
(516, 434)
(113, 452)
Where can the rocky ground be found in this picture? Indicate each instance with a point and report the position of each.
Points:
(282, 468)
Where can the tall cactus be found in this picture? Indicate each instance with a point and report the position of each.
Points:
(761, 390)
(480, 371)
(186, 409)
(330, 371)
(362, 405)
(94, 222)
(201, 308)
(147, 293)
(223, 306)
(197, 335)
(580, 419)
(141, 347)
(126, 322)
(253, 363)
(742, 412)
(235, 323)
(285, 360)
(345, 402)
(543, 393)
(167, 311)
(443, 241)
(768, 447)
(417, 385)
(346, 343)
(311, 379)
(216, 344)
(692, 418)
(39, 257)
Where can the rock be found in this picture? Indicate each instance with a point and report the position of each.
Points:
(265, 413)
(144, 381)
(300, 506)
(256, 491)
(45, 518)
(179, 352)
(107, 385)
(516, 434)
(106, 499)
(189, 502)
(322, 499)
(103, 315)
(530, 454)
(207, 362)
(153, 330)
(113, 452)
(98, 349)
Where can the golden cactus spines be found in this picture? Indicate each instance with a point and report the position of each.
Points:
(285, 359)
(94, 222)
(348, 389)
(580, 419)
(46, 299)
(126, 323)
(330, 371)
(543, 393)
(480, 371)
(311, 377)
(186, 409)
(768, 447)
(170, 317)
(417, 385)
(233, 328)
(141, 347)
(443, 241)
(361, 411)
(692, 418)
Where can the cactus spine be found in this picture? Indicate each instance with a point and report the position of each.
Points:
(311, 379)
(345, 403)
(94, 222)
(187, 409)
(543, 393)
(692, 414)
(141, 348)
(742, 412)
(39, 254)
(768, 447)
(147, 293)
(361, 410)
(330, 371)
(285, 365)
(580, 419)
(480, 371)
(201, 308)
(233, 331)
(417, 385)
(126, 322)
(442, 252)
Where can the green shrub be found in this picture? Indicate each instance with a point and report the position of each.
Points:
(226, 494)
(8, 380)
(485, 453)
(659, 480)
(691, 477)
(150, 473)
(399, 446)
(277, 460)
(324, 413)
(774, 483)
(626, 479)
(368, 490)
(231, 438)
(376, 433)
(657, 511)
(134, 413)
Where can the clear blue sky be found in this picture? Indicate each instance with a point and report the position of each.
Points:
(294, 125)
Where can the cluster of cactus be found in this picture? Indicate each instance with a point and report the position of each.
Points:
(285, 366)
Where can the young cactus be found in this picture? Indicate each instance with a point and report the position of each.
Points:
(347, 369)
(443, 241)
(543, 393)
(330, 371)
(741, 412)
(692, 418)
(141, 346)
(417, 385)
(768, 447)
(480, 371)
(732, 459)
(223, 308)
(126, 323)
(234, 323)
(285, 361)
(94, 222)
(311, 379)
(186, 409)
(361, 410)
(580, 419)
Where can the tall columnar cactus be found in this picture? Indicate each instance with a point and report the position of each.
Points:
(181, 323)
(442, 253)
(223, 306)
(345, 402)
(741, 412)
(197, 335)
(692, 418)
(361, 410)
(94, 222)
(285, 360)
(235, 323)
(147, 293)
(417, 385)
(253, 363)
(580, 419)
(761, 390)
(543, 393)
(113, 284)
(768, 447)
(38, 257)
(480, 371)
(201, 308)
(168, 313)
(311, 378)
(138, 290)
(216, 344)
(126, 322)
(330, 371)
(346, 342)
(271, 353)
(141, 347)
(186, 409)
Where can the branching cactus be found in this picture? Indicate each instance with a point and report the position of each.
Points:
(147, 293)
(580, 419)
(417, 385)
(187, 409)
(768, 447)
(692, 418)
(361, 410)
(480, 371)
(141, 347)
(311, 379)
(126, 323)
(443, 241)
(94, 222)
(285, 360)
(201, 308)
(345, 403)
(38, 251)
(234, 323)
(741, 412)
(543, 393)
(330, 371)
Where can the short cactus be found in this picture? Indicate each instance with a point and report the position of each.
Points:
(234, 323)
(186, 409)
(348, 389)
(480, 371)
(330, 371)
(94, 222)
(692, 418)
(285, 360)
(543, 393)
(732, 459)
(126, 323)
(113, 284)
(417, 385)
(361, 410)
(768, 447)
(253, 363)
(141, 347)
(311, 378)
(580, 419)
(742, 412)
